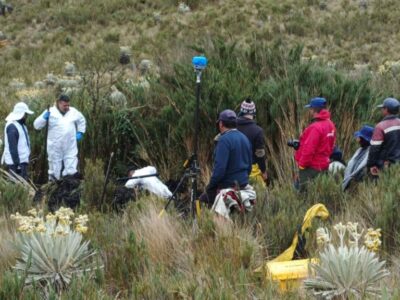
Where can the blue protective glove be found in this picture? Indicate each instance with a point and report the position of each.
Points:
(79, 136)
(46, 115)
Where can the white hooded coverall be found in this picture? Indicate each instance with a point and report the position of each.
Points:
(61, 139)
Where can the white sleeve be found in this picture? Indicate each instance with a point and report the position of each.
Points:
(40, 122)
(80, 122)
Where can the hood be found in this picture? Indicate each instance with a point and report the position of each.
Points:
(244, 121)
(323, 115)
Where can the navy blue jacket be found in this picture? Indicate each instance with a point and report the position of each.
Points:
(232, 160)
(13, 137)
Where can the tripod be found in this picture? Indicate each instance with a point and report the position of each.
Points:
(191, 165)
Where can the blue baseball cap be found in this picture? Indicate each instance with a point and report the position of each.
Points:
(227, 115)
(365, 132)
(389, 103)
(317, 102)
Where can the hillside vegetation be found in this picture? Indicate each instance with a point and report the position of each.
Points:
(280, 53)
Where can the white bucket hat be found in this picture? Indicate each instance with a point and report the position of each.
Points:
(20, 109)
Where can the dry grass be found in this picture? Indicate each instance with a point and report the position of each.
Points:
(165, 237)
(7, 250)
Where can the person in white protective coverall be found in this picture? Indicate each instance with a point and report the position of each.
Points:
(66, 126)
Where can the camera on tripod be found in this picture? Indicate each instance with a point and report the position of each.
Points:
(294, 143)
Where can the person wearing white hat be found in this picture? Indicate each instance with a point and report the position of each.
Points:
(66, 127)
(17, 147)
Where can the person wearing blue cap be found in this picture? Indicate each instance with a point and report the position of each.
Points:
(385, 141)
(316, 143)
(356, 168)
(232, 158)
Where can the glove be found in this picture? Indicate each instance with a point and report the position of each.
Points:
(79, 136)
(46, 115)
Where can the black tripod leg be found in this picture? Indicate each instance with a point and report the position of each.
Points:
(172, 197)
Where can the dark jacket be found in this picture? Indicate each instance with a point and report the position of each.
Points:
(316, 143)
(232, 160)
(13, 137)
(385, 142)
(255, 134)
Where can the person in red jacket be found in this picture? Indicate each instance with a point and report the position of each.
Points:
(316, 143)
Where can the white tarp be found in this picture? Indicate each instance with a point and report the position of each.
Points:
(152, 183)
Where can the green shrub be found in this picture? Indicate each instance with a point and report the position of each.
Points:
(93, 184)
(13, 197)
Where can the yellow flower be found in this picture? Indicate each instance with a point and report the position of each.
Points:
(41, 228)
(81, 229)
(372, 239)
(32, 212)
(50, 217)
(66, 211)
(81, 220)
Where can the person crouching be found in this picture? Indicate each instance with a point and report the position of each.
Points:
(232, 158)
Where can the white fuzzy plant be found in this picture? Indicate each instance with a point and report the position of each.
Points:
(349, 269)
(52, 250)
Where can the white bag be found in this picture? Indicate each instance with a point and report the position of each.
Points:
(152, 184)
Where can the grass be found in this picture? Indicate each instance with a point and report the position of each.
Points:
(279, 52)
(146, 256)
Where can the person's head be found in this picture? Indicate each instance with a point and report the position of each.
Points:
(131, 170)
(247, 109)
(63, 103)
(390, 106)
(316, 105)
(337, 154)
(364, 135)
(226, 120)
(19, 112)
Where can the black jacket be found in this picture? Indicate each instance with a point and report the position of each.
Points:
(255, 134)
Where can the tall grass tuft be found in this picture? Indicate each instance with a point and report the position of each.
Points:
(165, 239)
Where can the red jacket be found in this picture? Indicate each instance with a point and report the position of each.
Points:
(316, 143)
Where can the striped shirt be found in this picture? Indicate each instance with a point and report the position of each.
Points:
(385, 142)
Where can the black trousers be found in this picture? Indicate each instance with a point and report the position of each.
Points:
(21, 169)
(305, 176)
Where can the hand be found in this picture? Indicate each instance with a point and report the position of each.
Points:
(46, 115)
(374, 170)
(265, 176)
(79, 136)
(301, 168)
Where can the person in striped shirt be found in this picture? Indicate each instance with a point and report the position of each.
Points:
(385, 142)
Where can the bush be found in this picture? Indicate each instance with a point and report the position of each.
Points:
(14, 197)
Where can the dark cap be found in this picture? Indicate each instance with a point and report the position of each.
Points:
(317, 102)
(365, 132)
(227, 115)
(63, 97)
(389, 103)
